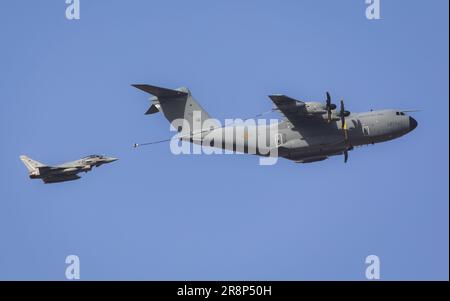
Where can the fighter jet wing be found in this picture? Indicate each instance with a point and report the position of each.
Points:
(60, 178)
(49, 169)
(294, 110)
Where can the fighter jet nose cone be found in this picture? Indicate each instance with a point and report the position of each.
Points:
(412, 123)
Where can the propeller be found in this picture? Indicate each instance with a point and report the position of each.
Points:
(343, 121)
(342, 114)
(329, 106)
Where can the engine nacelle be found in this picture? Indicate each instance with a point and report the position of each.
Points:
(346, 114)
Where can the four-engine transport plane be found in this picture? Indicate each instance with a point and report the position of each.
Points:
(63, 172)
(310, 131)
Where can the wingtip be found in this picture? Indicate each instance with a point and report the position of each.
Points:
(159, 91)
(275, 96)
(138, 86)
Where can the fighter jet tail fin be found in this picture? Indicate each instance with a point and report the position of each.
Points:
(178, 105)
(31, 164)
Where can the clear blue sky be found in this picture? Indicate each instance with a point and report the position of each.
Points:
(65, 93)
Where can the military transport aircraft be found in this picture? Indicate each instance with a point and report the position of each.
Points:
(309, 132)
(64, 172)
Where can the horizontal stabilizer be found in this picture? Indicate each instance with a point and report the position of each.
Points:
(160, 92)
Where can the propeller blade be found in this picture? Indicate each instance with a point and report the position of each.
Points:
(343, 121)
(328, 107)
(342, 108)
(342, 114)
(345, 130)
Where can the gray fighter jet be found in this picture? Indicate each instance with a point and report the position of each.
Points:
(64, 172)
(309, 132)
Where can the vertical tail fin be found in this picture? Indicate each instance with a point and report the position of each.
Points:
(31, 164)
(175, 104)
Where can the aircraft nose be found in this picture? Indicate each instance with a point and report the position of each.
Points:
(112, 159)
(412, 123)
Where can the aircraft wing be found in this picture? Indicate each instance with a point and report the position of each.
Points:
(49, 170)
(294, 110)
(160, 92)
(60, 178)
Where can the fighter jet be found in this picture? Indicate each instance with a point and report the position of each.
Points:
(63, 172)
(308, 132)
